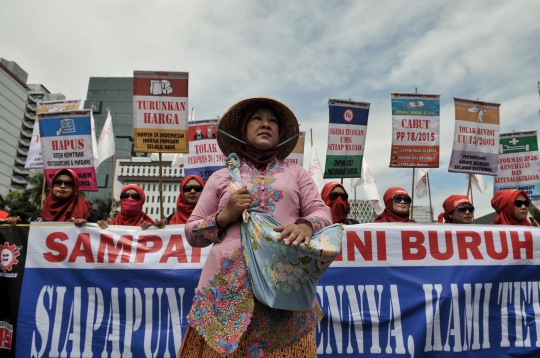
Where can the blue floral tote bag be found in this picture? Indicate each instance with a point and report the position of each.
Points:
(283, 277)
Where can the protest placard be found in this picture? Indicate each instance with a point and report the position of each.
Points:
(160, 112)
(346, 138)
(519, 167)
(415, 130)
(476, 137)
(66, 143)
(34, 159)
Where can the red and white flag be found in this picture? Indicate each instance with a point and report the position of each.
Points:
(421, 183)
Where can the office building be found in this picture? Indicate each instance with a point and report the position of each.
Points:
(13, 101)
(18, 102)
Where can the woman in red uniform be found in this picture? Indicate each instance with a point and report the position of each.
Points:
(457, 210)
(512, 206)
(190, 191)
(336, 198)
(397, 204)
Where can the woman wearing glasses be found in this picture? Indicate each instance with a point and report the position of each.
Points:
(457, 210)
(132, 198)
(190, 191)
(336, 198)
(64, 204)
(397, 204)
(512, 206)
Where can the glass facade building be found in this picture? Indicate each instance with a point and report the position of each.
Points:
(115, 93)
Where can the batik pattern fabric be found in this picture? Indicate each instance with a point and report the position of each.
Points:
(283, 277)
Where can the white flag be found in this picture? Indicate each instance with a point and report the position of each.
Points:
(315, 170)
(106, 146)
(94, 141)
(178, 159)
(421, 182)
(479, 181)
(368, 187)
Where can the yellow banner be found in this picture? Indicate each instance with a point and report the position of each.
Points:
(160, 140)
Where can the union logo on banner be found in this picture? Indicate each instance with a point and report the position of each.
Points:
(9, 257)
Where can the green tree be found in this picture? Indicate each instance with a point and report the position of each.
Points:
(102, 207)
(36, 185)
(23, 206)
(536, 214)
(6, 202)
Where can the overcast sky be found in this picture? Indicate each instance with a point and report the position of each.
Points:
(302, 53)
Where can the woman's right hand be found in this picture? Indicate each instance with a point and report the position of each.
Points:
(239, 201)
(104, 223)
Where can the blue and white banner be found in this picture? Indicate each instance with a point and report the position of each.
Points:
(406, 290)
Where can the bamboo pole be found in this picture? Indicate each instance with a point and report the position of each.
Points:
(43, 190)
(412, 196)
(355, 206)
(429, 192)
(161, 188)
(413, 169)
(112, 186)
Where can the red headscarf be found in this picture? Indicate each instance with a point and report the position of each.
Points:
(450, 204)
(63, 210)
(388, 215)
(259, 158)
(132, 219)
(183, 209)
(339, 207)
(503, 203)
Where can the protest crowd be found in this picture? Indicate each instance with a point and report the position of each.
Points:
(258, 202)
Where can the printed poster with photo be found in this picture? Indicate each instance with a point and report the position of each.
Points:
(476, 137)
(204, 157)
(415, 130)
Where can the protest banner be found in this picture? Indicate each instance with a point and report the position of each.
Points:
(415, 130)
(34, 159)
(66, 143)
(476, 137)
(204, 157)
(297, 155)
(412, 290)
(346, 138)
(13, 246)
(160, 112)
(519, 167)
